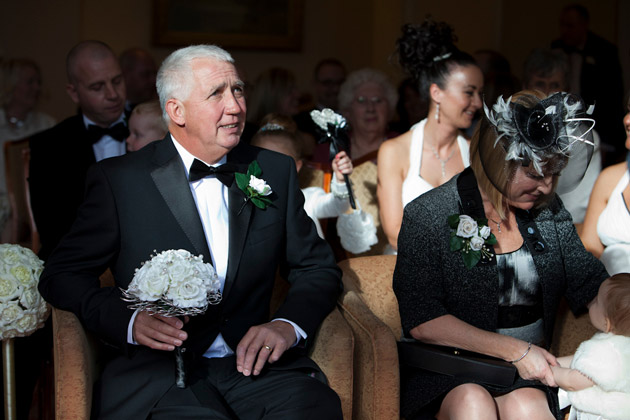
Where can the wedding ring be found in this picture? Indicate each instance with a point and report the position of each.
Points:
(267, 347)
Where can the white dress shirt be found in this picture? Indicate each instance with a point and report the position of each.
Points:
(215, 220)
(107, 146)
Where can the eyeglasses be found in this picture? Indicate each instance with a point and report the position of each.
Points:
(374, 100)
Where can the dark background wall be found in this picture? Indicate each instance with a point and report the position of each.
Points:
(358, 32)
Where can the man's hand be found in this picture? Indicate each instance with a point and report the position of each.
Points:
(158, 332)
(263, 343)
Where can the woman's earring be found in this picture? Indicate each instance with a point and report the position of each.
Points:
(437, 112)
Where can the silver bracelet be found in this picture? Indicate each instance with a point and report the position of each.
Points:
(529, 347)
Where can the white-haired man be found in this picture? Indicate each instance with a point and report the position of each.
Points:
(238, 363)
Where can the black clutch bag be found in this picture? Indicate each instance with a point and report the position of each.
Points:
(458, 363)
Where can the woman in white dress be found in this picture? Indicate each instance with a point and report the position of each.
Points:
(606, 231)
(433, 150)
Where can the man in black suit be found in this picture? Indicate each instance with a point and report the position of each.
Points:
(61, 155)
(239, 363)
(595, 76)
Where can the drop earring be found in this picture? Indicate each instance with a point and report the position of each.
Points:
(437, 112)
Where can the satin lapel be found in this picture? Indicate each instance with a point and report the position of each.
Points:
(240, 214)
(170, 180)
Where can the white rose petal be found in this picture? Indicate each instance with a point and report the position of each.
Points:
(484, 232)
(467, 226)
(476, 243)
(259, 185)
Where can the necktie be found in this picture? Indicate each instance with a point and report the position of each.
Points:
(224, 173)
(117, 132)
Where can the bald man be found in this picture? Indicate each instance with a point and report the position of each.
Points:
(61, 155)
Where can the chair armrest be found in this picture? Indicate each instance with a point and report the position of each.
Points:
(376, 372)
(73, 361)
(333, 351)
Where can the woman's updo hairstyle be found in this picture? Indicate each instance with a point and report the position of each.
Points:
(428, 53)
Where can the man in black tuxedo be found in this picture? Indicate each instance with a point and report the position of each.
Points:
(239, 363)
(61, 155)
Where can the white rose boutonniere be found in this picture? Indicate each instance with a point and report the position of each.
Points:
(471, 237)
(255, 189)
(22, 308)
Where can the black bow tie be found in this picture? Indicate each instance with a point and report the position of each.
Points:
(224, 173)
(117, 132)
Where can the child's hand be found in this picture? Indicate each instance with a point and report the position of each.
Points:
(342, 165)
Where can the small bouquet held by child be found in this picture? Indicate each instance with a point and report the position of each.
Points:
(174, 283)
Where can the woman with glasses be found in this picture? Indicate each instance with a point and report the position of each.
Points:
(367, 99)
(434, 150)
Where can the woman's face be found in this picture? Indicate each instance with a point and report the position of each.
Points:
(626, 126)
(27, 88)
(527, 187)
(461, 97)
(369, 111)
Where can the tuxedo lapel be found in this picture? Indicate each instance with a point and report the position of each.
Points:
(239, 213)
(170, 180)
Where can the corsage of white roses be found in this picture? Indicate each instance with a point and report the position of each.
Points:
(22, 308)
(174, 283)
(471, 237)
(255, 189)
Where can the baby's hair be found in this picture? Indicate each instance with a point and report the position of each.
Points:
(152, 107)
(283, 129)
(618, 303)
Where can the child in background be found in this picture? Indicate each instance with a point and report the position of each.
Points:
(145, 125)
(279, 133)
(598, 382)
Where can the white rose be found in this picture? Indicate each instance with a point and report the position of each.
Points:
(10, 313)
(179, 269)
(259, 185)
(149, 283)
(27, 323)
(467, 226)
(484, 232)
(9, 288)
(188, 293)
(23, 275)
(476, 242)
(30, 298)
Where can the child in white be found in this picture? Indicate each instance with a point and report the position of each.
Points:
(598, 381)
(279, 134)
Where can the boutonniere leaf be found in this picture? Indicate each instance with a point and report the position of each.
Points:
(255, 189)
(472, 238)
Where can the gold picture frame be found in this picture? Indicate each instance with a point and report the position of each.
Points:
(243, 24)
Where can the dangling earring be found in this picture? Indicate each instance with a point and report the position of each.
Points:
(437, 112)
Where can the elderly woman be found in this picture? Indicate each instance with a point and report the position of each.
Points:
(484, 259)
(433, 150)
(606, 231)
(367, 99)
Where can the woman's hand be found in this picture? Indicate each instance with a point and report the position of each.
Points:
(342, 165)
(536, 365)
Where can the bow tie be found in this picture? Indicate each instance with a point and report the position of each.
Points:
(117, 132)
(224, 173)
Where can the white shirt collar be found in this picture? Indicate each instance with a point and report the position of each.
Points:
(188, 158)
(89, 122)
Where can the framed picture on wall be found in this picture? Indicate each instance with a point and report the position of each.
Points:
(252, 24)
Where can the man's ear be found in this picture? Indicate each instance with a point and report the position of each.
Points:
(176, 111)
(72, 92)
(608, 325)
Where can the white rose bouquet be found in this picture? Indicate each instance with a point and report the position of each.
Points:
(472, 237)
(333, 128)
(174, 283)
(22, 309)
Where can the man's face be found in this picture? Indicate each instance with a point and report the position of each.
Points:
(551, 84)
(214, 112)
(98, 88)
(327, 84)
(573, 28)
(140, 80)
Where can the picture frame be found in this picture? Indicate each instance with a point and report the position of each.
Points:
(241, 24)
